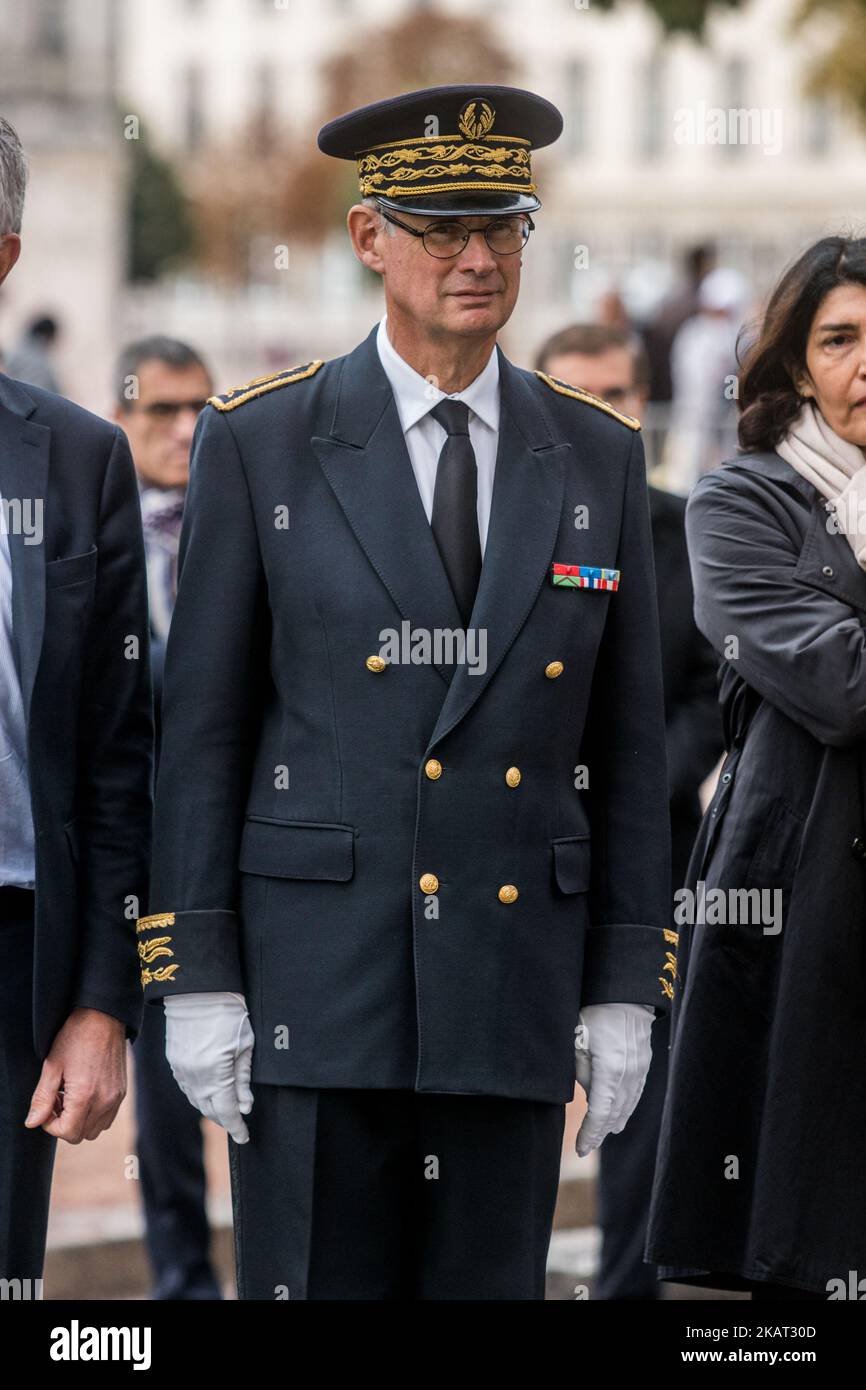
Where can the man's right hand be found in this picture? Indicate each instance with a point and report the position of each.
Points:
(209, 1045)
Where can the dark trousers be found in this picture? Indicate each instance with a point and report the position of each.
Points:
(626, 1164)
(172, 1172)
(26, 1155)
(344, 1194)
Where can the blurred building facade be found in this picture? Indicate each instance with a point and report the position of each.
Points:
(57, 83)
(635, 179)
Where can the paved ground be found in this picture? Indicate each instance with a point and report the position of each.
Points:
(94, 1235)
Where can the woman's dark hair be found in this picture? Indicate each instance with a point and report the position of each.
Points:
(768, 398)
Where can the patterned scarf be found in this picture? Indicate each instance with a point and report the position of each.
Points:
(835, 468)
(161, 517)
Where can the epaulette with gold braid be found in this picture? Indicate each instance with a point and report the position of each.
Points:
(565, 390)
(239, 395)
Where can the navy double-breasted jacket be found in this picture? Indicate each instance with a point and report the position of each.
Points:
(416, 870)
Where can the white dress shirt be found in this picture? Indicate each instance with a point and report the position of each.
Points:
(17, 847)
(416, 397)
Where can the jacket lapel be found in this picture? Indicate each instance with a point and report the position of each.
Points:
(24, 450)
(525, 516)
(367, 464)
(826, 561)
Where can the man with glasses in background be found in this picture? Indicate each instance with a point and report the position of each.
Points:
(391, 915)
(611, 362)
(161, 387)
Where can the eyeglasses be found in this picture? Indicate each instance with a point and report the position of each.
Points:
(169, 410)
(505, 235)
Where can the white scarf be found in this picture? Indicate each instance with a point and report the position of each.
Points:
(836, 468)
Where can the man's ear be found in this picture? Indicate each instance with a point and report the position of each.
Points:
(10, 250)
(363, 225)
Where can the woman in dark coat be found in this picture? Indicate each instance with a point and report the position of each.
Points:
(761, 1174)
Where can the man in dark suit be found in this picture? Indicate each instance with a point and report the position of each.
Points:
(612, 363)
(412, 803)
(75, 775)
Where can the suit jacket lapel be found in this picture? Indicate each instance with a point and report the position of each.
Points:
(525, 516)
(367, 464)
(24, 451)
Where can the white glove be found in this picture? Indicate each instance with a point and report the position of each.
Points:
(612, 1054)
(209, 1045)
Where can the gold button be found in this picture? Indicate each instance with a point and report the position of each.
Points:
(508, 893)
(553, 669)
(433, 768)
(376, 663)
(512, 777)
(428, 883)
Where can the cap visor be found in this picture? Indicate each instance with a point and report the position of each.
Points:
(469, 204)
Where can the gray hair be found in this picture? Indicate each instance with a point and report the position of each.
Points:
(384, 224)
(13, 179)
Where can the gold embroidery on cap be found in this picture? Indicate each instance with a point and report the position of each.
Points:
(420, 140)
(475, 128)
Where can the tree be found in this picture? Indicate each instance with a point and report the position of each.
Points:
(160, 235)
(680, 16)
(839, 69)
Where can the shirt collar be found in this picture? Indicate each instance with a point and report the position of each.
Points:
(415, 396)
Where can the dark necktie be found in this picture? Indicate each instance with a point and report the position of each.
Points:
(455, 502)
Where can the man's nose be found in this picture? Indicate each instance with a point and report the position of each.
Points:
(476, 254)
(184, 425)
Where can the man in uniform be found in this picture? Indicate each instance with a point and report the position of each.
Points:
(412, 846)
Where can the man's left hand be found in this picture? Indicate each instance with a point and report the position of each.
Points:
(612, 1056)
(83, 1079)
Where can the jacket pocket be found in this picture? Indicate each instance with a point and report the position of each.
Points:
(774, 861)
(752, 933)
(571, 862)
(71, 569)
(297, 849)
